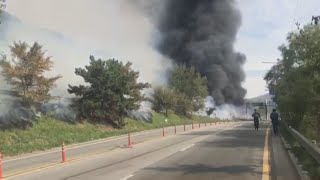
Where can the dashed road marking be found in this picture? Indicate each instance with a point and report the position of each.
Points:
(187, 147)
(127, 177)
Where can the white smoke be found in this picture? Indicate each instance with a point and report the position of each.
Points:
(72, 30)
(226, 111)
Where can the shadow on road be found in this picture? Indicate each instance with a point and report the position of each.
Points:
(203, 168)
(244, 136)
(236, 139)
(244, 129)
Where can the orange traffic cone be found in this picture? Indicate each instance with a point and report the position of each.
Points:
(129, 141)
(1, 166)
(64, 157)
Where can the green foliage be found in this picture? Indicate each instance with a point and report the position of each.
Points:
(186, 93)
(184, 105)
(190, 83)
(295, 81)
(24, 72)
(112, 90)
(163, 99)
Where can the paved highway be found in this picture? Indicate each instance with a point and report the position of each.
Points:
(226, 151)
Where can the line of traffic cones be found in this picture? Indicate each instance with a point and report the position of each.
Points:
(130, 145)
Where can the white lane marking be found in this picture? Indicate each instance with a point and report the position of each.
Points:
(127, 177)
(187, 147)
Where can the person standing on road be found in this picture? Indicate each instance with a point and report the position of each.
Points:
(274, 116)
(256, 116)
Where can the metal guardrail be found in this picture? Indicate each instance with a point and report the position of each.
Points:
(313, 149)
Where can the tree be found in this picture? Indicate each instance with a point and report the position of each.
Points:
(112, 90)
(163, 99)
(183, 105)
(190, 83)
(295, 80)
(25, 72)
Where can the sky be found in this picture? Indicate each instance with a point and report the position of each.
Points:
(80, 28)
(265, 25)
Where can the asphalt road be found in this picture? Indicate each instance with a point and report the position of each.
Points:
(232, 154)
(12, 165)
(228, 151)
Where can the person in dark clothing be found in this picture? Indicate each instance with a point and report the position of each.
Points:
(256, 116)
(274, 116)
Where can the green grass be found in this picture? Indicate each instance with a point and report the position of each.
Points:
(47, 133)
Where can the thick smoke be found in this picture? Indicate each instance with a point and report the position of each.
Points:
(105, 29)
(197, 33)
(201, 34)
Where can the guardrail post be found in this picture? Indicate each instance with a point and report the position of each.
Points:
(175, 129)
(1, 175)
(199, 125)
(205, 124)
(192, 125)
(184, 127)
(163, 132)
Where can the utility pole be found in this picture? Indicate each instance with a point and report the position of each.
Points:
(246, 109)
(266, 109)
(316, 19)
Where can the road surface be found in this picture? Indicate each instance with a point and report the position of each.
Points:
(225, 151)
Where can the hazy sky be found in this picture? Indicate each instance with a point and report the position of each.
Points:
(100, 27)
(265, 26)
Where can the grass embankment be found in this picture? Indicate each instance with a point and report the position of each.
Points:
(308, 163)
(48, 133)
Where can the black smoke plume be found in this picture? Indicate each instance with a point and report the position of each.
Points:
(201, 33)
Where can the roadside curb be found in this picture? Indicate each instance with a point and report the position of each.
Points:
(303, 174)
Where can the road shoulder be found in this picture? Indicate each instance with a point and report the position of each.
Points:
(282, 167)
